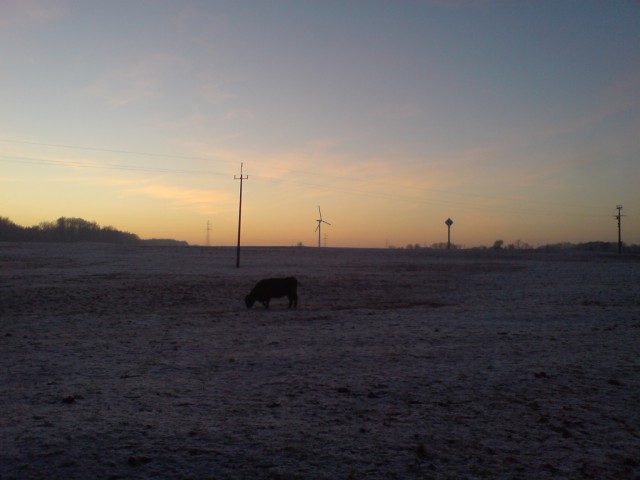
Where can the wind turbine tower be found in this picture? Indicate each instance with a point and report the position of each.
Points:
(318, 228)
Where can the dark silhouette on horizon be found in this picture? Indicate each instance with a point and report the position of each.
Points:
(64, 230)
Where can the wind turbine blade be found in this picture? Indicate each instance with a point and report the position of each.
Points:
(326, 222)
(319, 212)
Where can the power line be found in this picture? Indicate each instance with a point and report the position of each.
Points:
(289, 172)
(154, 154)
(102, 166)
(73, 164)
(122, 167)
(151, 169)
(418, 197)
(111, 150)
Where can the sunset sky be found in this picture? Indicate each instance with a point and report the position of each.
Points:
(519, 120)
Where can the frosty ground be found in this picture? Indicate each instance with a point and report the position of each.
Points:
(143, 362)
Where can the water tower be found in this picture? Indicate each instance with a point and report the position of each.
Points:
(448, 222)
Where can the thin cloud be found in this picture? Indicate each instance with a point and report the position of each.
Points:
(200, 200)
(215, 94)
(140, 80)
(239, 114)
(401, 112)
(19, 14)
(620, 96)
(320, 166)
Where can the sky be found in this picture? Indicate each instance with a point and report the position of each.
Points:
(519, 120)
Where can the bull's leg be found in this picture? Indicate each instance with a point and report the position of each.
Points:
(293, 300)
(265, 303)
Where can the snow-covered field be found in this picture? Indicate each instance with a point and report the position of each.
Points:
(143, 362)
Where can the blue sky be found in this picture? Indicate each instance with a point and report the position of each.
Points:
(519, 120)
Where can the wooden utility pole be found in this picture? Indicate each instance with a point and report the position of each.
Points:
(241, 178)
(619, 218)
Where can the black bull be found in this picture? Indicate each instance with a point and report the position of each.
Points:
(270, 288)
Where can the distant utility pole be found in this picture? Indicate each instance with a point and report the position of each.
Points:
(208, 234)
(619, 218)
(448, 222)
(241, 178)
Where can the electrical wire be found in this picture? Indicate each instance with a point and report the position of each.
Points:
(421, 195)
(104, 166)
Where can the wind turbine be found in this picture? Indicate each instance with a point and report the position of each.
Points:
(320, 222)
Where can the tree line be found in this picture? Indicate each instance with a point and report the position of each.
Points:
(64, 230)
(597, 246)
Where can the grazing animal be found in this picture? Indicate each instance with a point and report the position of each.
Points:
(270, 288)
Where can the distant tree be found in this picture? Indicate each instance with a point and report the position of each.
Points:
(498, 244)
(519, 245)
(64, 230)
(9, 231)
(164, 242)
(552, 247)
(443, 246)
(597, 246)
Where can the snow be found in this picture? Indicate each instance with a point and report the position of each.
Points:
(143, 362)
